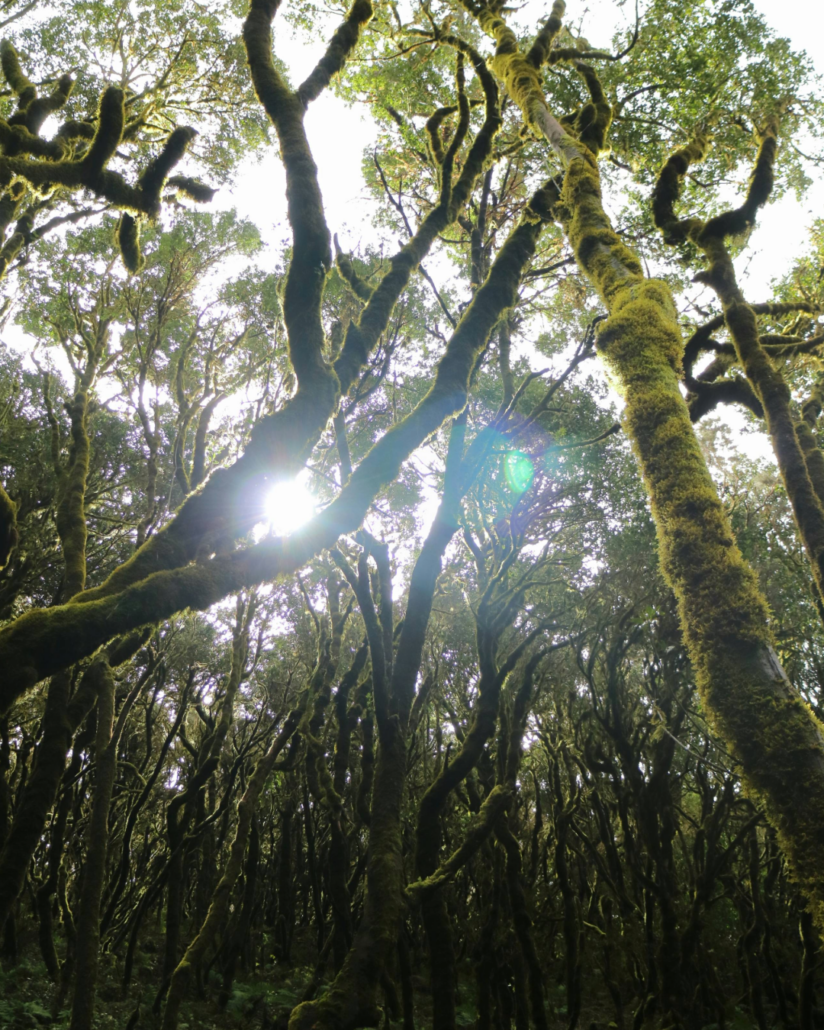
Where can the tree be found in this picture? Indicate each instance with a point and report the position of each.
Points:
(405, 752)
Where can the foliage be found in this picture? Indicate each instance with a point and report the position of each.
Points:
(504, 731)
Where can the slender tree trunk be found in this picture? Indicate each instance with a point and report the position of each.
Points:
(6, 925)
(240, 934)
(523, 923)
(46, 891)
(97, 845)
(350, 1001)
(765, 722)
(39, 795)
(806, 991)
(219, 907)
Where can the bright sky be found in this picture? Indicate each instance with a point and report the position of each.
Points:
(339, 135)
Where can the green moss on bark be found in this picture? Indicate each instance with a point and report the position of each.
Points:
(8, 527)
(723, 614)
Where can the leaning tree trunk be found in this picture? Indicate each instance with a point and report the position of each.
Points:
(752, 704)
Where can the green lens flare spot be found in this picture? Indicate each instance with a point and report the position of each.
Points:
(519, 471)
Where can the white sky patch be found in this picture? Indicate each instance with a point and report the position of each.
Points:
(339, 133)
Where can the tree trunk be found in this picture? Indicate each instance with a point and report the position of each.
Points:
(97, 845)
(753, 706)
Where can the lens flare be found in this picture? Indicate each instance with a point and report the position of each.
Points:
(519, 471)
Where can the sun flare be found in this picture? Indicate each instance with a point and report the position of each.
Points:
(288, 507)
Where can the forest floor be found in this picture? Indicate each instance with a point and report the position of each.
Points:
(259, 1001)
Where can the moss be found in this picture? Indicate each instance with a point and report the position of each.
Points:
(17, 139)
(813, 457)
(418, 609)
(347, 718)
(128, 239)
(523, 84)
(523, 923)
(21, 133)
(157, 171)
(87, 957)
(350, 1001)
(14, 74)
(540, 49)
(74, 130)
(347, 270)
(772, 398)
(136, 594)
(447, 395)
(11, 248)
(311, 252)
(593, 120)
(61, 718)
(447, 162)
(340, 46)
(740, 220)
(367, 768)
(668, 190)
(219, 906)
(479, 829)
(607, 261)
(432, 127)
(71, 496)
(8, 527)
(111, 118)
(362, 335)
(192, 188)
(781, 744)
(52, 164)
(704, 397)
(814, 404)
(318, 776)
(724, 616)
(775, 397)
(39, 795)
(201, 435)
(40, 108)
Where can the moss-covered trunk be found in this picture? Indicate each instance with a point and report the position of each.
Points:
(97, 846)
(47, 889)
(351, 1000)
(220, 904)
(724, 617)
(60, 719)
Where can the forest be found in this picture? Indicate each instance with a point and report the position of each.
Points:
(397, 629)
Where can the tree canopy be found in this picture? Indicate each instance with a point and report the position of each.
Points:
(394, 631)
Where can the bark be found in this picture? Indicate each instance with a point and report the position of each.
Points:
(523, 924)
(87, 952)
(41, 789)
(238, 937)
(45, 896)
(219, 907)
(724, 617)
(131, 820)
(799, 460)
(45, 640)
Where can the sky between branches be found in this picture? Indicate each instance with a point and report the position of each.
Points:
(340, 133)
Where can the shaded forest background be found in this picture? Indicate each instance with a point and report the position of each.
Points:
(520, 727)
